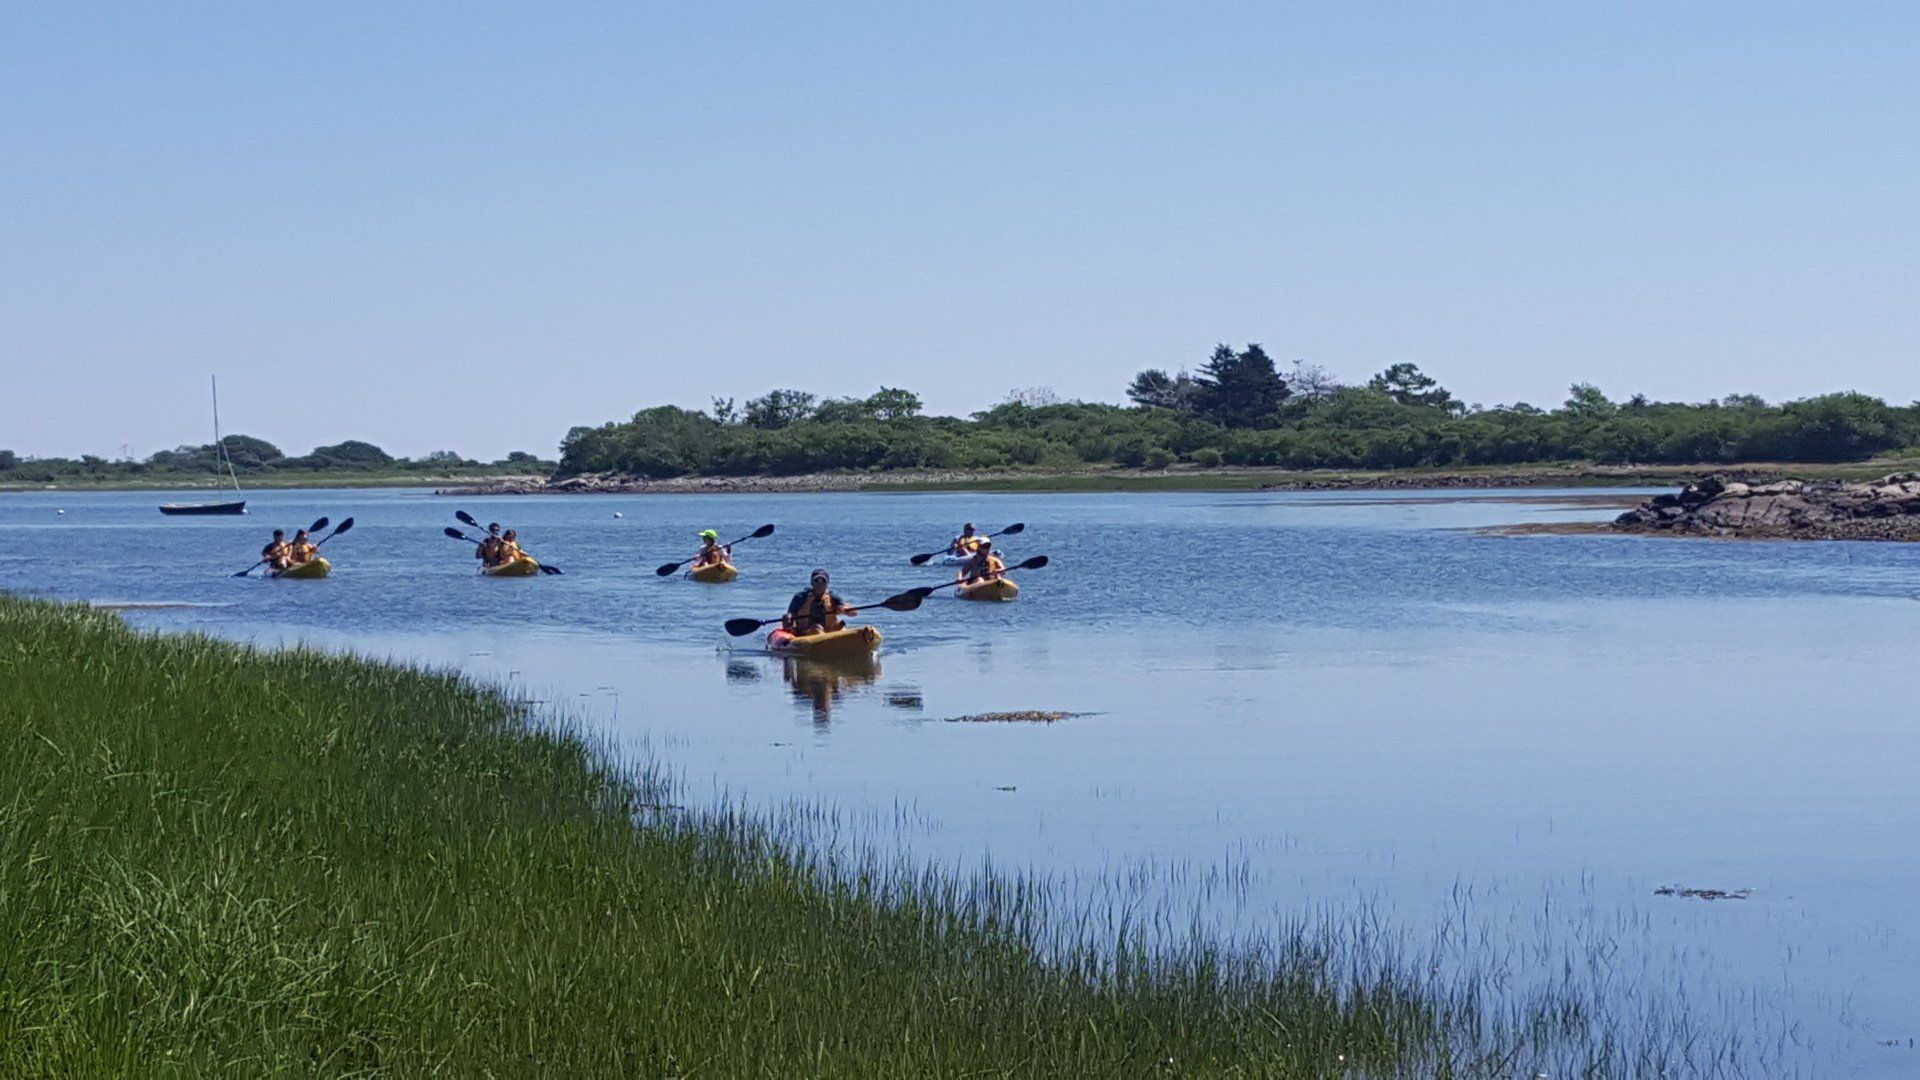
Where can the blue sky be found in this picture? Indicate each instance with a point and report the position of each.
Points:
(474, 226)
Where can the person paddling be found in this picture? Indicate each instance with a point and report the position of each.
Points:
(983, 566)
(302, 550)
(711, 550)
(814, 609)
(276, 554)
(489, 550)
(966, 543)
(509, 548)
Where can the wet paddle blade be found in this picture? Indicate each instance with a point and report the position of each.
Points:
(743, 627)
(762, 531)
(456, 533)
(316, 526)
(668, 569)
(921, 560)
(1013, 529)
(1034, 563)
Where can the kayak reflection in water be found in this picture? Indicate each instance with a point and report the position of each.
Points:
(984, 565)
(822, 683)
(814, 609)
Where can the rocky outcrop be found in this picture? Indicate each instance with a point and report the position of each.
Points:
(1884, 509)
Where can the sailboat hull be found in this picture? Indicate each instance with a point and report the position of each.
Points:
(204, 508)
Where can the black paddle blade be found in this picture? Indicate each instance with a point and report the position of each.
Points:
(668, 569)
(344, 526)
(922, 591)
(545, 569)
(466, 517)
(921, 560)
(457, 534)
(1034, 563)
(317, 526)
(245, 572)
(743, 627)
(1013, 529)
(906, 601)
(762, 531)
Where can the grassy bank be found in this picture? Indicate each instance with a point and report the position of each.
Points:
(214, 860)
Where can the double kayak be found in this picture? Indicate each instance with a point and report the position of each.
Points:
(522, 566)
(315, 567)
(1000, 588)
(846, 641)
(714, 573)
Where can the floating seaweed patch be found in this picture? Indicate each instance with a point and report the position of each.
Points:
(1703, 894)
(1024, 716)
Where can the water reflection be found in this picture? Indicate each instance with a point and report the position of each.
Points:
(821, 683)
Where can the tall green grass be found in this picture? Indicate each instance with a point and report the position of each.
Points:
(217, 860)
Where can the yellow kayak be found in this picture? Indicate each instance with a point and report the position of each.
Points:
(315, 567)
(992, 589)
(847, 641)
(714, 573)
(524, 566)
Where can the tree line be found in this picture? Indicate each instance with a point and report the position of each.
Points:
(1236, 408)
(254, 457)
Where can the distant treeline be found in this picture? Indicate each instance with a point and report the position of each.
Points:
(1236, 409)
(254, 457)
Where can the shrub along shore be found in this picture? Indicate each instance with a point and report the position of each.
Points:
(216, 859)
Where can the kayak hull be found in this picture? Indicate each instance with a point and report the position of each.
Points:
(524, 566)
(849, 641)
(714, 573)
(996, 589)
(316, 567)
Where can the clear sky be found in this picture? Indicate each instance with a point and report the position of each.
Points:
(473, 226)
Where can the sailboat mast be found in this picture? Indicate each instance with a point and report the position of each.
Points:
(219, 441)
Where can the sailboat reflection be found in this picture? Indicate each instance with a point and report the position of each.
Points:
(823, 682)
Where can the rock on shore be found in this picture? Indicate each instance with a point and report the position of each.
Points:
(1884, 509)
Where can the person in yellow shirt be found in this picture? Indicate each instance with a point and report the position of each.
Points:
(302, 550)
(984, 566)
(509, 547)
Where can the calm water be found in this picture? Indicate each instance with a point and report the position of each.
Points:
(1328, 700)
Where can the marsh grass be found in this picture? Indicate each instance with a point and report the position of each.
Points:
(219, 860)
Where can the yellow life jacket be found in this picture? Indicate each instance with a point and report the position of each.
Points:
(813, 612)
(509, 551)
(301, 553)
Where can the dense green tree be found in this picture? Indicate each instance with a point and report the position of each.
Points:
(778, 408)
(1155, 389)
(350, 454)
(1408, 385)
(1239, 389)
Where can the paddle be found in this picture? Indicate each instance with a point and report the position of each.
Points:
(1016, 527)
(925, 591)
(458, 535)
(905, 601)
(669, 569)
(311, 529)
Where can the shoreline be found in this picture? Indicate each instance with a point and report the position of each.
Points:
(264, 483)
(318, 858)
(1225, 479)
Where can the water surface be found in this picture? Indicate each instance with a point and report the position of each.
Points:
(1332, 701)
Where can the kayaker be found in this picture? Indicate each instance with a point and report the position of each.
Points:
(984, 566)
(276, 553)
(711, 550)
(814, 609)
(966, 543)
(302, 550)
(509, 549)
(489, 550)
